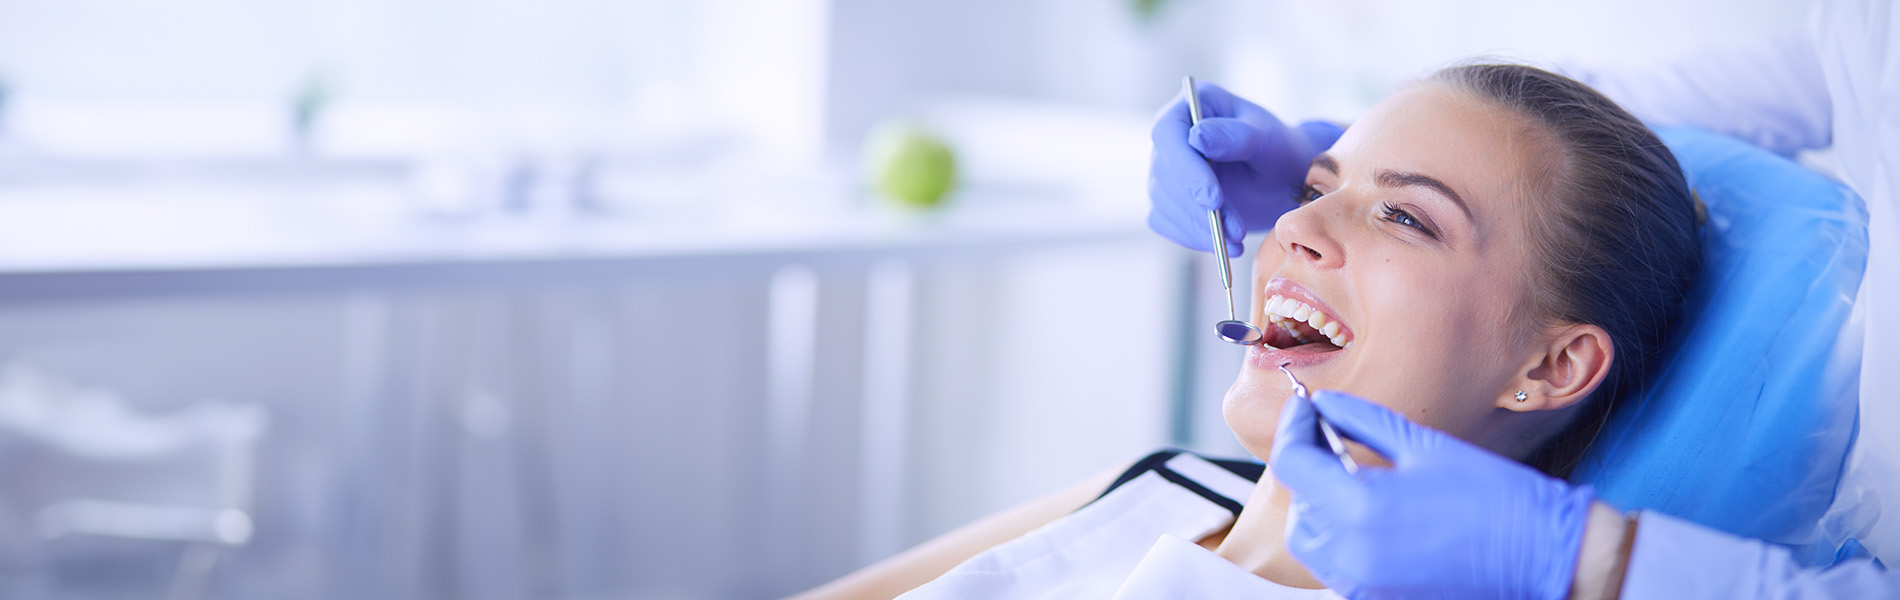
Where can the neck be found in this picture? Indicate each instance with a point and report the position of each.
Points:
(1257, 541)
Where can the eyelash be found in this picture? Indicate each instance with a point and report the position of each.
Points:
(1405, 219)
(1305, 194)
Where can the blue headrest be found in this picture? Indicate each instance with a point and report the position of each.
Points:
(1746, 419)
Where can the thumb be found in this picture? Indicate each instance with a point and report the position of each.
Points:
(1386, 432)
(1224, 139)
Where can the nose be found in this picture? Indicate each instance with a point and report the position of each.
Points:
(1303, 234)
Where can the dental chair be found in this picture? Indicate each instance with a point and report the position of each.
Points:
(1747, 418)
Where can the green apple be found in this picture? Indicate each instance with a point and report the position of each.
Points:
(909, 166)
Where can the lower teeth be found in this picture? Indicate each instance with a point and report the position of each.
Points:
(1300, 338)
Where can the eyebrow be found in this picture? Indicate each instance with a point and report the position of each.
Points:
(1325, 161)
(1392, 179)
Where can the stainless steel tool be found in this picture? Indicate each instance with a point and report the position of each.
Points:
(1233, 329)
(1338, 444)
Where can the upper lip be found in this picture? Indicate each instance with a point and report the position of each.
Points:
(1287, 288)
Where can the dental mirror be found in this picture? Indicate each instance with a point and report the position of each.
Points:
(1233, 329)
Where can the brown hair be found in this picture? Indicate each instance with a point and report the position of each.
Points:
(1616, 234)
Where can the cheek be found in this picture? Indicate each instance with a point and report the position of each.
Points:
(1413, 304)
(1435, 347)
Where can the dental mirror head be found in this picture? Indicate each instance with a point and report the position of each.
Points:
(1232, 330)
(1238, 332)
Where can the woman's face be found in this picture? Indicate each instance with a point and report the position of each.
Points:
(1411, 237)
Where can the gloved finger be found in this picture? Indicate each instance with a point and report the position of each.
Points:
(1320, 135)
(1216, 101)
(1301, 461)
(1235, 226)
(1386, 432)
(1313, 542)
(1182, 168)
(1226, 139)
(1184, 174)
(1172, 123)
(1184, 221)
(1187, 226)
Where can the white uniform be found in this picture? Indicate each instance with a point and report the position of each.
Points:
(1135, 542)
(1838, 85)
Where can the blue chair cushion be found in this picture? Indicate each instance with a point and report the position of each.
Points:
(1747, 418)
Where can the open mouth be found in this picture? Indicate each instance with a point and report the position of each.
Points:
(1292, 324)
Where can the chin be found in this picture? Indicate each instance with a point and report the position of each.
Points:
(1252, 410)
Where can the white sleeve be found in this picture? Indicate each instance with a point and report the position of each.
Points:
(1677, 559)
(1771, 94)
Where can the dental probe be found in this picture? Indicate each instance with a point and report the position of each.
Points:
(1326, 430)
(1232, 330)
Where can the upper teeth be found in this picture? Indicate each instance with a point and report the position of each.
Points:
(1281, 309)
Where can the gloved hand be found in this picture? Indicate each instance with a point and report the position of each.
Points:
(1240, 158)
(1449, 519)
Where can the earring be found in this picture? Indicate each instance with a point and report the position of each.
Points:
(1521, 396)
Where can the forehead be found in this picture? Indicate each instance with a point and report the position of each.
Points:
(1474, 146)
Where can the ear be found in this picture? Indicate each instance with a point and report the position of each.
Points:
(1572, 365)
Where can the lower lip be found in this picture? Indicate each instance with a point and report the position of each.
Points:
(1262, 356)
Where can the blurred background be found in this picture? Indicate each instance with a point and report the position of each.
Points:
(618, 298)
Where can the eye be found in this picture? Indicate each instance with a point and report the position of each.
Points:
(1305, 194)
(1399, 216)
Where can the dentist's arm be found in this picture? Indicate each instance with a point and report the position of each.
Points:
(1453, 520)
(1240, 158)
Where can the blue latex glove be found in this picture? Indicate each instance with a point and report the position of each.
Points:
(1449, 519)
(1255, 162)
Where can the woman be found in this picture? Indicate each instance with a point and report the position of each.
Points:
(1493, 252)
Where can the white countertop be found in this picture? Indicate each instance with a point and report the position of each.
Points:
(54, 236)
